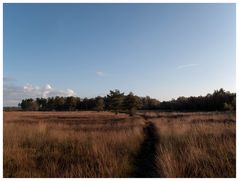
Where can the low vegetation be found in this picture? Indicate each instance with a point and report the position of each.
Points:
(196, 145)
(102, 144)
(70, 144)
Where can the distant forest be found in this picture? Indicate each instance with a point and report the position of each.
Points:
(116, 101)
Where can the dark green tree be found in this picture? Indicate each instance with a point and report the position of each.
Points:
(78, 103)
(99, 103)
(59, 103)
(70, 103)
(29, 105)
(132, 103)
(50, 104)
(115, 100)
(42, 102)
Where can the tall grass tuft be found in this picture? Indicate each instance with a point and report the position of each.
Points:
(70, 145)
(197, 145)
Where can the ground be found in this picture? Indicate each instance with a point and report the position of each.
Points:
(102, 144)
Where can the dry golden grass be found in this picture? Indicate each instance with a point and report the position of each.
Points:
(196, 144)
(70, 144)
(92, 144)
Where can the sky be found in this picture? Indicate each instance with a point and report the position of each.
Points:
(159, 50)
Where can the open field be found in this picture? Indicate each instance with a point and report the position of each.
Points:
(92, 144)
(196, 145)
(69, 144)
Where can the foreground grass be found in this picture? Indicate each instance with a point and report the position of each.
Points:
(196, 145)
(70, 145)
(90, 144)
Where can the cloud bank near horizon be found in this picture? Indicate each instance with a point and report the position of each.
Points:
(13, 94)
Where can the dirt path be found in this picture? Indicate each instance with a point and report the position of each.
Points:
(145, 166)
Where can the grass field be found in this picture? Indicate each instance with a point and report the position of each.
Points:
(92, 144)
(196, 145)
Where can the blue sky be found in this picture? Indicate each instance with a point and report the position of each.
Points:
(160, 50)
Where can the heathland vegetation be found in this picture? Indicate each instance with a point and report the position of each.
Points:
(196, 145)
(79, 144)
(102, 144)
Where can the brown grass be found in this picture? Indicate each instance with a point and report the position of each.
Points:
(66, 144)
(196, 145)
(91, 144)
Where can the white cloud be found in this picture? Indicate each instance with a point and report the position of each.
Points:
(186, 66)
(28, 88)
(48, 87)
(100, 74)
(70, 92)
(13, 94)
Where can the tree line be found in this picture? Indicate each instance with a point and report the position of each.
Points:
(220, 100)
(117, 101)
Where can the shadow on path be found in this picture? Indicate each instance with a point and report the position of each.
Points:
(145, 166)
